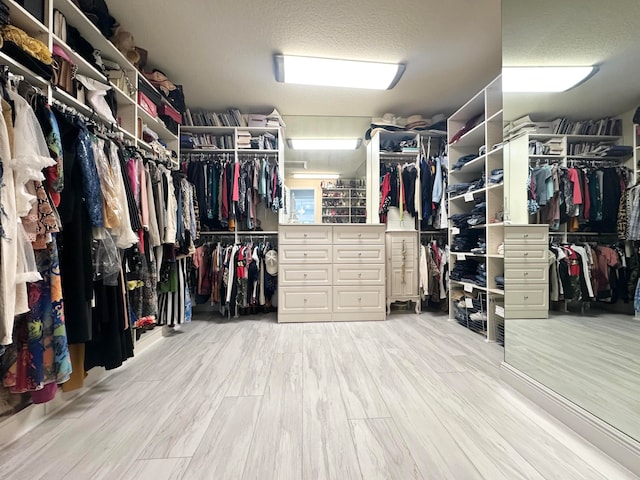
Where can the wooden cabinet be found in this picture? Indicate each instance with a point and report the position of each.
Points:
(331, 273)
(402, 268)
(526, 271)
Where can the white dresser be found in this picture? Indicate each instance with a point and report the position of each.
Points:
(402, 268)
(331, 273)
(526, 271)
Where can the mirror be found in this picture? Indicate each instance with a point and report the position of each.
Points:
(342, 173)
(589, 354)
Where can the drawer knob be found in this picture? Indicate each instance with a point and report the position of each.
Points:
(359, 275)
(305, 275)
(304, 254)
(526, 254)
(359, 235)
(305, 300)
(359, 254)
(526, 274)
(305, 235)
(526, 235)
(359, 299)
(526, 297)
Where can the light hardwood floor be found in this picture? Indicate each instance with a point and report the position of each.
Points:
(415, 397)
(592, 360)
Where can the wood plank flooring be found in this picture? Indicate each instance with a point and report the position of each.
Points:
(415, 397)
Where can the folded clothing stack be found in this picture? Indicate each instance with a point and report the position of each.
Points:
(460, 219)
(481, 246)
(465, 241)
(463, 269)
(496, 177)
(466, 187)
(500, 281)
(481, 275)
(459, 188)
(462, 161)
(4, 14)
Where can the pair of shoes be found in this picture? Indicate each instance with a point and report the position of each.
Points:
(478, 316)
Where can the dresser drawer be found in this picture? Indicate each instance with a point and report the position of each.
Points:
(304, 234)
(304, 255)
(358, 253)
(523, 297)
(523, 273)
(526, 234)
(358, 235)
(301, 274)
(353, 274)
(406, 245)
(526, 253)
(315, 299)
(358, 299)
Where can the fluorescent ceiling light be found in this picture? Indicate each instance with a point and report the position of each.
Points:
(314, 176)
(331, 72)
(324, 143)
(543, 79)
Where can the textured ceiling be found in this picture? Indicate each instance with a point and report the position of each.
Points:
(575, 32)
(222, 51)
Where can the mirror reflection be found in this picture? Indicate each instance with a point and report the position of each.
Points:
(326, 186)
(572, 165)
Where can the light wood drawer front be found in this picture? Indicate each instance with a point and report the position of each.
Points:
(316, 299)
(296, 275)
(304, 255)
(351, 274)
(358, 235)
(358, 253)
(358, 299)
(305, 235)
(526, 254)
(517, 296)
(523, 273)
(524, 234)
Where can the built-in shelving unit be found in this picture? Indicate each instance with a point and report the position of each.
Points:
(472, 301)
(344, 204)
(131, 118)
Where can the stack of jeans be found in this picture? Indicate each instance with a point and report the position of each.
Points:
(481, 275)
(464, 271)
(465, 240)
(496, 177)
(500, 282)
(462, 161)
(459, 188)
(481, 246)
(460, 220)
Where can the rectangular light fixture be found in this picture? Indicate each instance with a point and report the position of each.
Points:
(543, 79)
(316, 176)
(331, 72)
(324, 143)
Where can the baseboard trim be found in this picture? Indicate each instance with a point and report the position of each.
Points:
(15, 426)
(622, 448)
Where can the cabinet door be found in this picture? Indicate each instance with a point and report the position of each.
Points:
(402, 283)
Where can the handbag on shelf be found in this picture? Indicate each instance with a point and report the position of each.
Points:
(63, 74)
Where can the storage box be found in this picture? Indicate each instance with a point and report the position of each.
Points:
(167, 110)
(147, 105)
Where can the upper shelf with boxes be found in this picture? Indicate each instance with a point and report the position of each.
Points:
(93, 67)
